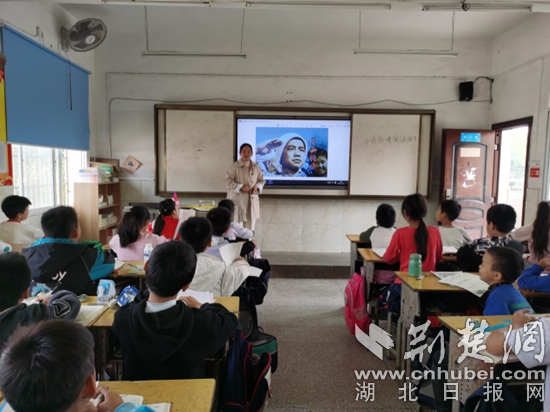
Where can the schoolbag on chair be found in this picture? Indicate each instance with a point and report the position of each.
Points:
(355, 304)
(247, 380)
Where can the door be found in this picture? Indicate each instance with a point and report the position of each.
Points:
(467, 176)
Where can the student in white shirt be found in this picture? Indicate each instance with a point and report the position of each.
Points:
(16, 209)
(447, 212)
(212, 274)
(380, 235)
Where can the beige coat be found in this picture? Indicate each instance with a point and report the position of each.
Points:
(236, 177)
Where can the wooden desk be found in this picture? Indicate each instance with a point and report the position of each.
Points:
(93, 300)
(468, 386)
(412, 290)
(189, 395)
(355, 258)
(129, 271)
(369, 256)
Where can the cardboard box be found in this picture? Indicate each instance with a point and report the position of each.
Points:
(115, 163)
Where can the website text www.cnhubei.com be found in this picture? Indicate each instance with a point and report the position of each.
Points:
(456, 374)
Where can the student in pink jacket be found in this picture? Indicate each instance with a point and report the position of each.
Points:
(132, 235)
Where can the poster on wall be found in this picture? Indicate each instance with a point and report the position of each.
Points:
(5, 150)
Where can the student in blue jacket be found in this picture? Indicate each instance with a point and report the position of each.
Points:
(52, 364)
(531, 278)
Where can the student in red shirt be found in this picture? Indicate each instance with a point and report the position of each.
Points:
(167, 220)
(416, 238)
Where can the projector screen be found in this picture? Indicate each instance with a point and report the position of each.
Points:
(299, 152)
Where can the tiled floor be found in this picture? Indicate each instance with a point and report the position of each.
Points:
(317, 354)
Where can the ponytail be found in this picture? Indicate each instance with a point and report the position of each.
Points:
(166, 208)
(130, 226)
(541, 227)
(416, 208)
(421, 239)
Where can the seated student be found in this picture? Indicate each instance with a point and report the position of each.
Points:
(163, 337)
(220, 218)
(59, 262)
(416, 238)
(379, 236)
(501, 219)
(169, 219)
(537, 234)
(132, 235)
(534, 350)
(447, 212)
(236, 230)
(16, 209)
(15, 278)
(50, 367)
(500, 268)
(531, 278)
(211, 274)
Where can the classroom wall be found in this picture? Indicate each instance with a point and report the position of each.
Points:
(521, 68)
(292, 55)
(26, 17)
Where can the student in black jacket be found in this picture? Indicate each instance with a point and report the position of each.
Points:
(59, 262)
(15, 278)
(163, 337)
(501, 220)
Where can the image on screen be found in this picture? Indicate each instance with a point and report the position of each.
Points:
(298, 152)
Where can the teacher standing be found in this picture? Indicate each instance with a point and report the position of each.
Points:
(244, 181)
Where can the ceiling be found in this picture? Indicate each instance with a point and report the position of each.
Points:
(166, 21)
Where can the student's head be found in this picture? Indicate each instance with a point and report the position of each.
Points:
(385, 215)
(166, 208)
(500, 265)
(245, 151)
(293, 155)
(197, 231)
(414, 209)
(220, 218)
(541, 227)
(448, 210)
(16, 207)
(321, 160)
(501, 219)
(48, 366)
(132, 224)
(15, 278)
(228, 204)
(171, 268)
(61, 222)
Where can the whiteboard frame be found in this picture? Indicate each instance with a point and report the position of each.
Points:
(425, 151)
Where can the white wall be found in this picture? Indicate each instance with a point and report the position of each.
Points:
(521, 67)
(26, 17)
(298, 55)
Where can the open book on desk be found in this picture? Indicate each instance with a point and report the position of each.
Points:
(202, 297)
(138, 401)
(468, 281)
(231, 252)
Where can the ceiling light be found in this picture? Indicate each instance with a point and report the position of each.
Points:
(478, 7)
(321, 5)
(444, 53)
(182, 54)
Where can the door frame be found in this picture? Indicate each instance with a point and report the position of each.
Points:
(512, 124)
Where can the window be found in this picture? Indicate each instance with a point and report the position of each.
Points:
(46, 175)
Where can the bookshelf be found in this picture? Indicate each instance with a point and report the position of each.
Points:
(86, 204)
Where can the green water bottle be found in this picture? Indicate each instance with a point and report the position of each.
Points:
(415, 265)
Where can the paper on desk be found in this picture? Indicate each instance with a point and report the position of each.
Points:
(449, 250)
(135, 268)
(231, 252)
(202, 297)
(472, 283)
(88, 314)
(118, 264)
(444, 275)
(379, 251)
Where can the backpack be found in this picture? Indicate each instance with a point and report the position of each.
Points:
(258, 285)
(355, 304)
(248, 316)
(247, 379)
(390, 299)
